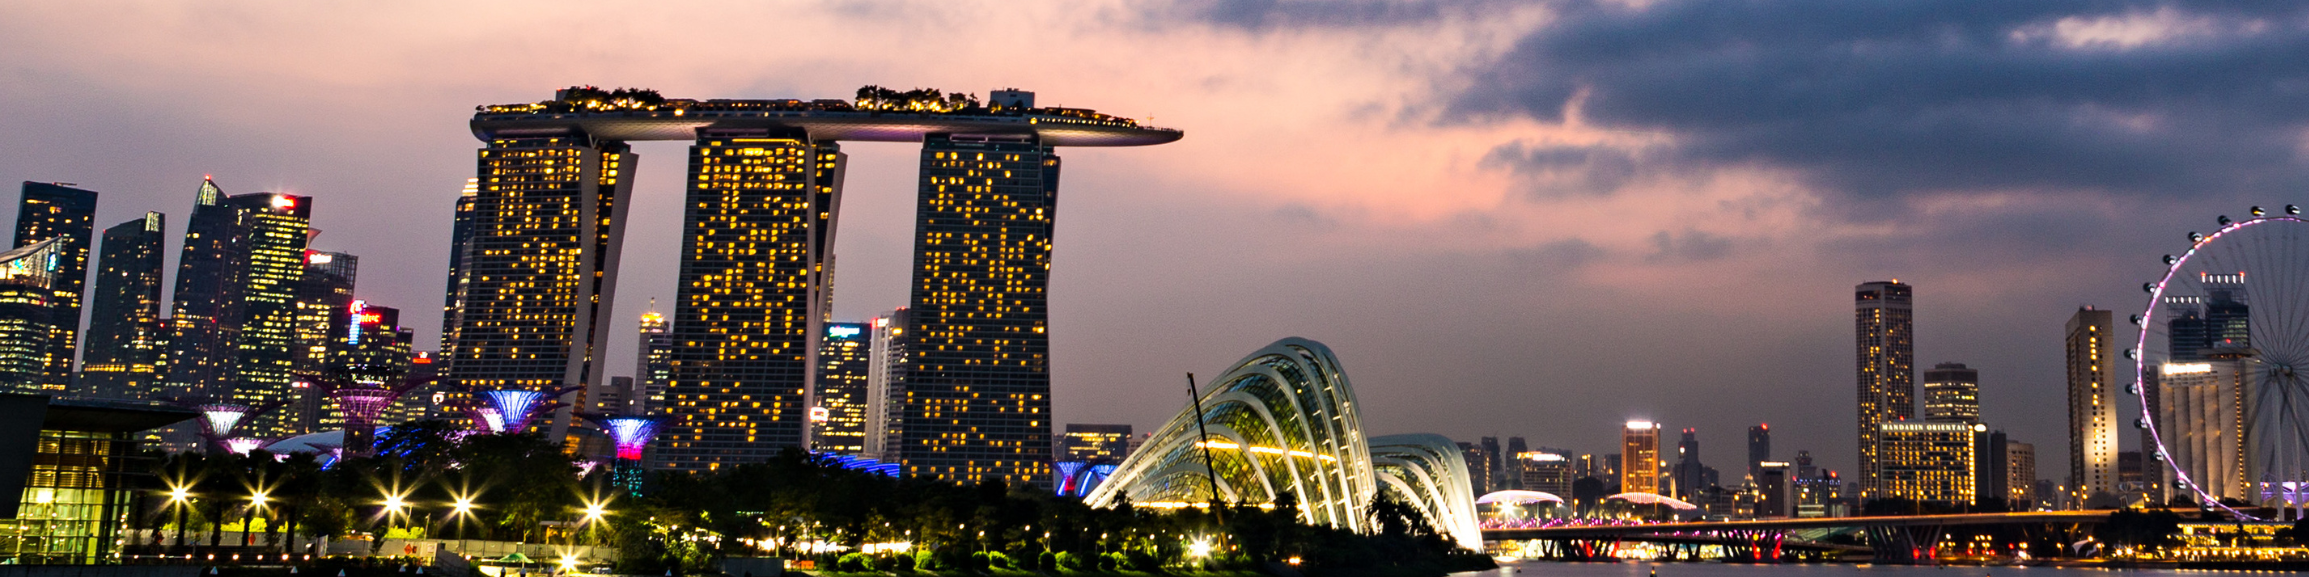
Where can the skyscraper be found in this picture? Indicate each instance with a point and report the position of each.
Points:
(1478, 471)
(25, 314)
(1886, 344)
(1092, 443)
(1691, 476)
(1759, 448)
(884, 385)
(125, 335)
(540, 270)
(838, 421)
(2204, 422)
(460, 242)
(1640, 457)
(324, 299)
(205, 310)
(2092, 402)
(58, 211)
(1545, 472)
(2020, 475)
(740, 341)
(271, 270)
(1512, 466)
(977, 403)
(1952, 394)
(1491, 464)
(654, 367)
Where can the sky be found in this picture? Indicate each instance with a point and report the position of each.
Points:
(1535, 219)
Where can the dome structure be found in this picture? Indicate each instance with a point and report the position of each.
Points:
(1284, 420)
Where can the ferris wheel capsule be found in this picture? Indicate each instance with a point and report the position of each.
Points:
(2196, 236)
(2290, 209)
(2224, 220)
(2148, 287)
(2257, 210)
(2132, 353)
(2136, 320)
(2140, 423)
(2170, 259)
(2133, 389)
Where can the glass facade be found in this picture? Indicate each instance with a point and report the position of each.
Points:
(976, 402)
(270, 272)
(743, 316)
(540, 273)
(56, 211)
(838, 422)
(25, 274)
(1885, 340)
(204, 309)
(125, 334)
(1929, 461)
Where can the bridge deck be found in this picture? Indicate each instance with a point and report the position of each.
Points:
(1792, 524)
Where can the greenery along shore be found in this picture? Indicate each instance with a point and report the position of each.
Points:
(797, 506)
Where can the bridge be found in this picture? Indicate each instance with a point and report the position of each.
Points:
(1905, 539)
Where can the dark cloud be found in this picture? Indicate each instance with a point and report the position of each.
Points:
(1263, 14)
(1875, 99)
(1567, 170)
(1688, 246)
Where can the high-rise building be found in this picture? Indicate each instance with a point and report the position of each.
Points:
(654, 369)
(742, 348)
(1759, 448)
(1496, 481)
(235, 312)
(1929, 462)
(1886, 345)
(884, 385)
(125, 335)
(1545, 472)
(2092, 402)
(1094, 443)
(1952, 394)
(1640, 457)
(25, 313)
(1990, 479)
(2020, 475)
(977, 403)
(540, 272)
(460, 242)
(1513, 471)
(1478, 471)
(324, 298)
(205, 309)
(838, 421)
(2203, 422)
(58, 211)
(370, 348)
(1772, 489)
(1690, 475)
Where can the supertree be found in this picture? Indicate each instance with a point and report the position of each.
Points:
(218, 418)
(511, 410)
(632, 435)
(360, 399)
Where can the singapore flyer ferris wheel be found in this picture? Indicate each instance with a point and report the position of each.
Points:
(2222, 364)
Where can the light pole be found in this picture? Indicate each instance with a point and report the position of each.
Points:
(463, 510)
(180, 498)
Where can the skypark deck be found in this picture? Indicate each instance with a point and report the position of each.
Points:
(680, 119)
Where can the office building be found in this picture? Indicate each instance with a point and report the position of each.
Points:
(1545, 472)
(1689, 476)
(1990, 480)
(234, 332)
(978, 372)
(1929, 461)
(616, 397)
(57, 211)
(1952, 394)
(838, 420)
(2020, 475)
(1095, 443)
(460, 242)
(1886, 345)
(1497, 480)
(1511, 475)
(2204, 423)
(122, 358)
(653, 370)
(26, 296)
(324, 298)
(1773, 488)
(742, 354)
(539, 278)
(1639, 464)
(1759, 448)
(884, 385)
(2092, 402)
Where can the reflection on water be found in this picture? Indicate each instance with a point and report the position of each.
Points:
(1635, 569)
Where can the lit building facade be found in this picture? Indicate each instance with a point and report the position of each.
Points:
(1088, 443)
(1545, 472)
(56, 211)
(460, 244)
(838, 421)
(204, 310)
(1773, 490)
(539, 274)
(2020, 475)
(1885, 341)
(2092, 402)
(1640, 457)
(25, 295)
(271, 270)
(75, 468)
(1928, 461)
(323, 297)
(1759, 448)
(742, 328)
(1952, 393)
(654, 367)
(2203, 420)
(125, 335)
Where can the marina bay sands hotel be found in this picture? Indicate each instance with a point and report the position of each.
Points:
(535, 275)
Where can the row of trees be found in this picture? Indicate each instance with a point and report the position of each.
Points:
(425, 479)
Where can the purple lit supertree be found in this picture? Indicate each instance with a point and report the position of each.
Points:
(359, 402)
(218, 418)
(632, 435)
(512, 410)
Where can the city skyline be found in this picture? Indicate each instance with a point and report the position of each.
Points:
(1447, 265)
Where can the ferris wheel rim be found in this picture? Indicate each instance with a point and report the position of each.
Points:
(2140, 354)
